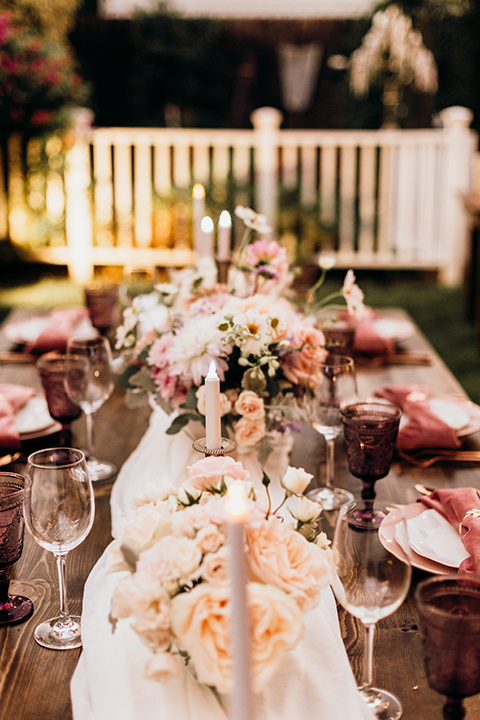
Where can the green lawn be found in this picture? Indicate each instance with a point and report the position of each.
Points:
(438, 311)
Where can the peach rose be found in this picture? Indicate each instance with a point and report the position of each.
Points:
(249, 432)
(282, 557)
(300, 366)
(225, 404)
(162, 666)
(201, 624)
(209, 471)
(215, 566)
(250, 405)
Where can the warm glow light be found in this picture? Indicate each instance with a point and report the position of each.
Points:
(236, 504)
(198, 191)
(225, 221)
(207, 224)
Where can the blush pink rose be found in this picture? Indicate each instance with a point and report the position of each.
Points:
(301, 366)
(209, 471)
(282, 557)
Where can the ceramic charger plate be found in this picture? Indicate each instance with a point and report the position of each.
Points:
(33, 420)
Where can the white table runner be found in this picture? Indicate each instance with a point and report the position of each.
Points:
(316, 677)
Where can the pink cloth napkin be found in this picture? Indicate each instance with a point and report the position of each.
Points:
(367, 340)
(424, 429)
(453, 505)
(60, 326)
(12, 398)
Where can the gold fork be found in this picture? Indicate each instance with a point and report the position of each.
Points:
(435, 456)
(7, 459)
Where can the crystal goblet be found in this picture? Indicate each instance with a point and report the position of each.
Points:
(370, 430)
(13, 608)
(59, 512)
(103, 306)
(332, 384)
(371, 584)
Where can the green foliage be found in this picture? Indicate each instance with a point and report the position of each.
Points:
(38, 82)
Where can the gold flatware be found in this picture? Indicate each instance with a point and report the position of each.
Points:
(427, 458)
(16, 357)
(7, 459)
(400, 358)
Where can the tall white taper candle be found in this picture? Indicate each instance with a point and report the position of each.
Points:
(198, 196)
(206, 237)
(223, 236)
(212, 409)
(242, 707)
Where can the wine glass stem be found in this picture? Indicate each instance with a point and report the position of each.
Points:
(60, 559)
(368, 496)
(90, 436)
(368, 658)
(329, 462)
(4, 588)
(453, 709)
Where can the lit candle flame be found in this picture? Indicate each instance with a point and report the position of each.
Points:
(198, 191)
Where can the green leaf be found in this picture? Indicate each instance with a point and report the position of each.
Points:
(180, 422)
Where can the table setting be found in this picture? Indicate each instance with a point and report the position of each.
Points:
(222, 374)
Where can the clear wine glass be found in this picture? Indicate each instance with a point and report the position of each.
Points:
(59, 512)
(51, 367)
(371, 584)
(13, 608)
(370, 430)
(89, 383)
(449, 619)
(332, 384)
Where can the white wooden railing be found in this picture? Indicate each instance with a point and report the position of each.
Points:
(390, 198)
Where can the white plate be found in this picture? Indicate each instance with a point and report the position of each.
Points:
(390, 539)
(27, 331)
(33, 416)
(432, 536)
(391, 329)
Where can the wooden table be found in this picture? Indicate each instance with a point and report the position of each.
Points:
(35, 682)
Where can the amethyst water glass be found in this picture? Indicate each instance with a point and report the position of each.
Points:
(13, 608)
(370, 431)
(103, 306)
(52, 373)
(449, 615)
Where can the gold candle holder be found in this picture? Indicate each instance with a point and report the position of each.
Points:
(227, 446)
(223, 267)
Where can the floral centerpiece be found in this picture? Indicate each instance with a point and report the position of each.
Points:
(177, 595)
(263, 343)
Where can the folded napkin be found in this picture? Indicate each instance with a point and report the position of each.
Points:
(61, 324)
(367, 340)
(424, 429)
(12, 398)
(461, 507)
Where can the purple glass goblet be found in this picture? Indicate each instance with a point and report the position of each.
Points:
(103, 306)
(370, 430)
(13, 608)
(449, 619)
(51, 367)
(339, 331)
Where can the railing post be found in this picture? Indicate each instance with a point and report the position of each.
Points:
(78, 211)
(266, 122)
(456, 122)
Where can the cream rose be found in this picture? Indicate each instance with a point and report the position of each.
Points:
(250, 405)
(306, 511)
(296, 480)
(282, 557)
(209, 538)
(249, 432)
(215, 566)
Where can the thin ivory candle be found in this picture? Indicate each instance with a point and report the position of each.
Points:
(212, 409)
(242, 694)
(223, 236)
(206, 240)
(198, 195)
